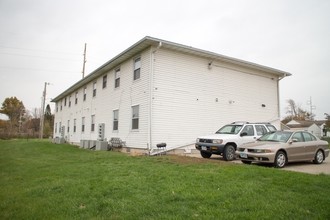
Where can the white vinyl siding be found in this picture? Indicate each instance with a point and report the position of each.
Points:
(129, 93)
(198, 100)
(187, 98)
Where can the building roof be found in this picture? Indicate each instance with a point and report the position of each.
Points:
(150, 41)
(304, 124)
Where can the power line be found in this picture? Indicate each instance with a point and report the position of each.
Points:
(40, 57)
(34, 69)
(45, 51)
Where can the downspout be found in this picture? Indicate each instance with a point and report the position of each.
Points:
(278, 96)
(151, 85)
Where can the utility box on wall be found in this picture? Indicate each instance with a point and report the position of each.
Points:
(100, 136)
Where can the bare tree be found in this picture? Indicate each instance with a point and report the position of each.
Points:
(295, 112)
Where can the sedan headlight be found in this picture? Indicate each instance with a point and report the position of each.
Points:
(217, 141)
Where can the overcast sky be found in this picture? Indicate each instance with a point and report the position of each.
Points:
(43, 40)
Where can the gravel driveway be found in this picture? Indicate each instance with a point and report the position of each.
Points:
(303, 167)
(309, 167)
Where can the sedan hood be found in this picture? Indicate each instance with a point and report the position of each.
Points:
(262, 144)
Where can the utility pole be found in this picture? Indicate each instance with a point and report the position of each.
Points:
(42, 111)
(83, 71)
(310, 103)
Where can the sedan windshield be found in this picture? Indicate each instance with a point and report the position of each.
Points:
(277, 136)
(229, 129)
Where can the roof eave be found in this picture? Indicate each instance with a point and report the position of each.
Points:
(150, 41)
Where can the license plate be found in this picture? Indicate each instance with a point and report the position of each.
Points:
(204, 148)
(243, 155)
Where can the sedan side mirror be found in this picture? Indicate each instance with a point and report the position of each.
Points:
(293, 140)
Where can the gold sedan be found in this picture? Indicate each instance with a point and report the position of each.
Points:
(281, 147)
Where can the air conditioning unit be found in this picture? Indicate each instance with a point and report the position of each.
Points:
(101, 132)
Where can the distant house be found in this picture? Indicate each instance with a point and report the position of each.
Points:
(315, 127)
(158, 91)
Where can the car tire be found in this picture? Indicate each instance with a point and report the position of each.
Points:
(229, 153)
(319, 157)
(205, 154)
(280, 159)
(246, 161)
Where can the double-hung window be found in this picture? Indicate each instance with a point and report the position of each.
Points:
(70, 101)
(74, 125)
(115, 120)
(76, 98)
(135, 117)
(105, 79)
(82, 124)
(137, 68)
(94, 89)
(85, 93)
(117, 77)
(93, 123)
(68, 126)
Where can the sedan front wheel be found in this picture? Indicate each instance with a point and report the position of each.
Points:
(280, 159)
(319, 157)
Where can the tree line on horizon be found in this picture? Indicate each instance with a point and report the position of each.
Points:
(22, 122)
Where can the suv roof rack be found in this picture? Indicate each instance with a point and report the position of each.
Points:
(246, 122)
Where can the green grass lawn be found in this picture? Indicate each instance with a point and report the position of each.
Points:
(40, 180)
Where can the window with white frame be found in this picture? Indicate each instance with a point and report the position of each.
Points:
(105, 79)
(56, 106)
(115, 120)
(65, 101)
(94, 89)
(76, 98)
(55, 128)
(117, 77)
(135, 117)
(83, 124)
(93, 123)
(85, 93)
(70, 101)
(61, 105)
(68, 127)
(137, 68)
(59, 127)
(74, 125)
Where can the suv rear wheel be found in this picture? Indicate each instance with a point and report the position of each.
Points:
(229, 153)
(205, 154)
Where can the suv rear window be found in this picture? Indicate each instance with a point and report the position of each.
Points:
(261, 130)
(271, 128)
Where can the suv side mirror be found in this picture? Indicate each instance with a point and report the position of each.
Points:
(243, 134)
